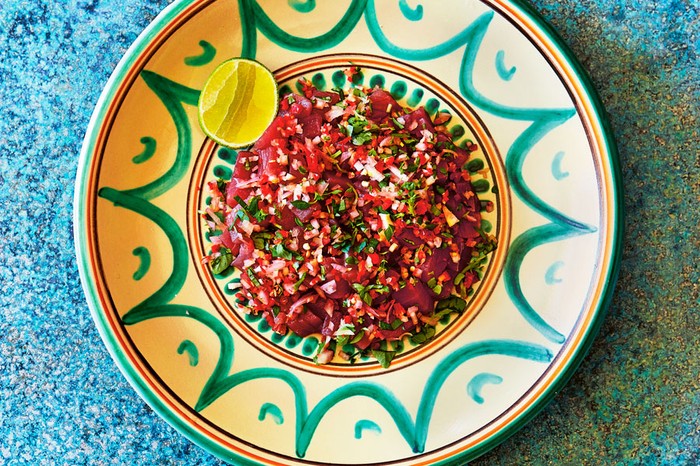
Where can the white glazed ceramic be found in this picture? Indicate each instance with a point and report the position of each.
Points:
(253, 397)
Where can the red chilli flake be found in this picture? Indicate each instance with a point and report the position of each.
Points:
(352, 218)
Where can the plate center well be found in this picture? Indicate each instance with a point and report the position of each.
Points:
(412, 88)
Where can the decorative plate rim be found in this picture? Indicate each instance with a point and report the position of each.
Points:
(598, 309)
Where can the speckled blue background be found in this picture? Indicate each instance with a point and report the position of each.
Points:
(636, 397)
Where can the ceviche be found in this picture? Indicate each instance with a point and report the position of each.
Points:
(352, 218)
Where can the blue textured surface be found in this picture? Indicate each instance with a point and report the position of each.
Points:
(636, 397)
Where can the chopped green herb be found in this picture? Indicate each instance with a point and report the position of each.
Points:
(301, 205)
(252, 277)
(300, 281)
(389, 232)
(278, 250)
(362, 138)
(221, 185)
(359, 336)
(346, 329)
(424, 335)
(221, 263)
(454, 303)
(384, 357)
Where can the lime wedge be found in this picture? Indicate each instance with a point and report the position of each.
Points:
(238, 102)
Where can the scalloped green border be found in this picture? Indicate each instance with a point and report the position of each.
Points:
(87, 278)
(617, 238)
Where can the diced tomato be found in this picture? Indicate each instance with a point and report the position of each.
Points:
(305, 324)
(409, 239)
(245, 252)
(342, 290)
(417, 121)
(306, 215)
(312, 162)
(311, 124)
(435, 264)
(382, 104)
(469, 279)
(301, 107)
(331, 324)
(365, 341)
(421, 207)
(244, 166)
(327, 96)
(415, 294)
(270, 134)
(233, 191)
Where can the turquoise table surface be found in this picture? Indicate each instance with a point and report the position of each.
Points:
(635, 398)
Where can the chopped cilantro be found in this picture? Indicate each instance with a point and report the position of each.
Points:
(278, 250)
(221, 263)
(389, 232)
(359, 336)
(252, 277)
(301, 205)
(362, 138)
(384, 357)
(426, 333)
(453, 303)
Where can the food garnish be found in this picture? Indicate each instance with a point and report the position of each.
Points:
(238, 102)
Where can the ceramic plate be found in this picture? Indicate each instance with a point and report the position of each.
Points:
(249, 395)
